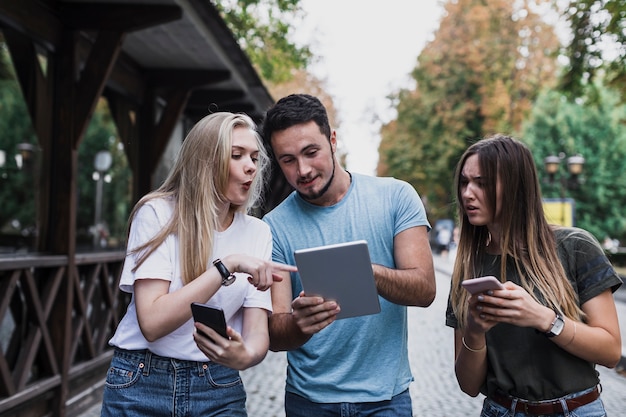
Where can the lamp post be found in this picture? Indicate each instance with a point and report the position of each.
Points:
(552, 164)
(102, 163)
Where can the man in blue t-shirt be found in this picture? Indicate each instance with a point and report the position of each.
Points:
(357, 364)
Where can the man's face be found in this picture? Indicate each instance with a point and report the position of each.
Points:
(307, 159)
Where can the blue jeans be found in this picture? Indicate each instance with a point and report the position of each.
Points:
(140, 383)
(398, 406)
(593, 409)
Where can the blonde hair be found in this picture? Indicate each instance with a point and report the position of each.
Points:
(526, 238)
(197, 184)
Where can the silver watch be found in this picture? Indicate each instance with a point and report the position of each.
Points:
(557, 325)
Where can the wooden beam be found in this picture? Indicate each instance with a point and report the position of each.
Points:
(33, 18)
(124, 114)
(94, 76)
(29, 73)
(170, 115)
(202, 98)
(117, 16)
(185, 78)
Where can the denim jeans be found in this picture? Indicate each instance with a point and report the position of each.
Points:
(593, 409)
(398, 406)
(140, 383)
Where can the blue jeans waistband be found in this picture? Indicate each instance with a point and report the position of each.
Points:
(152, 360)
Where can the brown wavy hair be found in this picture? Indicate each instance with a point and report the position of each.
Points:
(526, 238)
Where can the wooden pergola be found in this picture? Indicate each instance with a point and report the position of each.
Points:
(159, 64)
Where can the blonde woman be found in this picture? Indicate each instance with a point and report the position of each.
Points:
(530, 348)
(185, 239)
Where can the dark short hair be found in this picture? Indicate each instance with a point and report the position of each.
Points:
(293, 110)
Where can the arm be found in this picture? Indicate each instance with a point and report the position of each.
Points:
(597, 341)
(240, 351)
(160, 312)
(413, 282)
(293, 322)
(470, 366)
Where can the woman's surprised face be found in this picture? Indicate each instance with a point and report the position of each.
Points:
(473, 193)
(243, 165)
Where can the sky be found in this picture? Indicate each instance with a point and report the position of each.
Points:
(366, 50)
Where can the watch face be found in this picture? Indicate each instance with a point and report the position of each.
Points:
(227, 281)
(557, 327)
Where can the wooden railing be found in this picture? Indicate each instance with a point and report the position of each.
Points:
(56, 317)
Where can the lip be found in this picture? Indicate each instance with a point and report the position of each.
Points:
(307, 182)
(246, 185)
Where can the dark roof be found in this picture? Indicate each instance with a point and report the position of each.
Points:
(174, 40)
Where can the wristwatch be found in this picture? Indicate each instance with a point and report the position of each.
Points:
(227, 277)
(557, 325)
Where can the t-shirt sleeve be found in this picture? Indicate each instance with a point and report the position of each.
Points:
(587, 265)
(158, 265)
(411, 211)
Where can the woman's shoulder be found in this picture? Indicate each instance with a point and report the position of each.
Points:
(567, 233)
(156, 207)
(575, 237)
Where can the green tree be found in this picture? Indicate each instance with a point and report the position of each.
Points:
(479, 75)
(597, 44)
(263, 29)
(595, 129)
(102, 135)
(17, 180)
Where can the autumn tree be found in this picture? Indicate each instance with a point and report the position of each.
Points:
(479, 75)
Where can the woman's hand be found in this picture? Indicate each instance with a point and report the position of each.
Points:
(262, 274)
(513, 305)
(231, 352)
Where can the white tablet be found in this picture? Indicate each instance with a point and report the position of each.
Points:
(341, 272)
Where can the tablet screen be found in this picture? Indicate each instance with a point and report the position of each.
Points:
(341, 272)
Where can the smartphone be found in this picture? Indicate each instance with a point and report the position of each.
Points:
(482, 284)
(210, 316)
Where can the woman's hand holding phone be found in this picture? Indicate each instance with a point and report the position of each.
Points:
(482, 284)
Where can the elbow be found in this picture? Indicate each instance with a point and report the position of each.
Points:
(149, 333)
(426, 298)
(614, 359)
(149, 336)
(470, 392)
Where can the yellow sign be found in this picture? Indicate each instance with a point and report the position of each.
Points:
(559, 211)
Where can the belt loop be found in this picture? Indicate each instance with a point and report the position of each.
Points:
(564, 406)
(513, 407)
(146, 364)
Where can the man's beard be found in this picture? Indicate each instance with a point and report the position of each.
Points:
(320, 193)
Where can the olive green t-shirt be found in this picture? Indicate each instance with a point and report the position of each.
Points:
(523, 362)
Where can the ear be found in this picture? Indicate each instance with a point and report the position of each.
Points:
(333, 141)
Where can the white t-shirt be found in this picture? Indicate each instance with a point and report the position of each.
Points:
(246, 234)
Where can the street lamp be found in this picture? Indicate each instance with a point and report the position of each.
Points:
(102, 163)
(575, 163)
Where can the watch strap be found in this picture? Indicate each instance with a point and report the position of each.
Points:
(227, 277)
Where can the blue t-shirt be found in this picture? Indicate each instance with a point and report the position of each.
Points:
(360, 359)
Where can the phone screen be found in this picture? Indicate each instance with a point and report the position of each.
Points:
(210, 316)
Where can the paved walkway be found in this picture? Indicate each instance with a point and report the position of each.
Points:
(435, 392)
